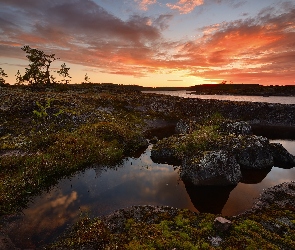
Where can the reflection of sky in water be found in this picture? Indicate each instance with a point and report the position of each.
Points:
(138, 182)
(243, 196)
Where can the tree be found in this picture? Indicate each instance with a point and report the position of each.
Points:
(38, 70)
(19, 79)
(86, 79)
(64, 72)
(2, 75)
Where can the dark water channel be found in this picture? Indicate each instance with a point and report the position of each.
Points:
(138, 181)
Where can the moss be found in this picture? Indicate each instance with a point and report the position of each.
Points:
(202, 139)
(188, 230)
(102, 124)
(38, 151)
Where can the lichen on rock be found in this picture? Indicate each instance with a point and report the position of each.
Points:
(217, 168)
(215, 154)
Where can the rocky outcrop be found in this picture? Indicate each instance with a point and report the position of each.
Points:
(182, 127)
(185, 126)
(281, 157)
(236, 128)
(165, 151)
(216, 168)
(282, 196)
(217, 157)
(253, 152)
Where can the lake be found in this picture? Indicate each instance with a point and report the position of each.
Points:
(269, 99)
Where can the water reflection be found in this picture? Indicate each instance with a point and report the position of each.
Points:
(44, 220)
(209, 199)
(138, 181)
(250, 176)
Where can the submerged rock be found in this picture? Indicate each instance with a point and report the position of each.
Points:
(216, 168)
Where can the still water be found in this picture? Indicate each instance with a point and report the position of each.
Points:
(138, 181)
(189, 94)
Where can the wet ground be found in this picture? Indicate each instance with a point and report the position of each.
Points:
(138, 181)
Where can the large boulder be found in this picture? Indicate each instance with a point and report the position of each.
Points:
(216, 157)
(253, 152)
(282, 158)
(217, 168)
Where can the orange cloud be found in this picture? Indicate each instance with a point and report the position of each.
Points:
(185, 6)
(253, 50)
(143, 4)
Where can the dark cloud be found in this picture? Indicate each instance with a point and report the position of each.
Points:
(163, 21)
(80, 31)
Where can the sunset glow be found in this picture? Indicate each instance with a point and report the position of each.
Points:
(154, 42)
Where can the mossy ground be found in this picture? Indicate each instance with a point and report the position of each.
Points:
(272, 228)
(49, 134)
(100, 125)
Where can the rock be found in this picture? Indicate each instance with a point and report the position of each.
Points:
(164, 151)
(154, 140)
(237, 128)
(2, 130)
(215, 241)
(282, 158)
(282, 195)
(217, 168)
(142, 142)
(183, 127)
(6, 243)
(253, 152)
(221, 224)
(273, 227)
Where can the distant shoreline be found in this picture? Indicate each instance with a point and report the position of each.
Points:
(232, 89)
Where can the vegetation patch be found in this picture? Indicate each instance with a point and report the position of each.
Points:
(43, 139)
(181, 229)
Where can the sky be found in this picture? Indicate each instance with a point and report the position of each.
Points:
(154, 42)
